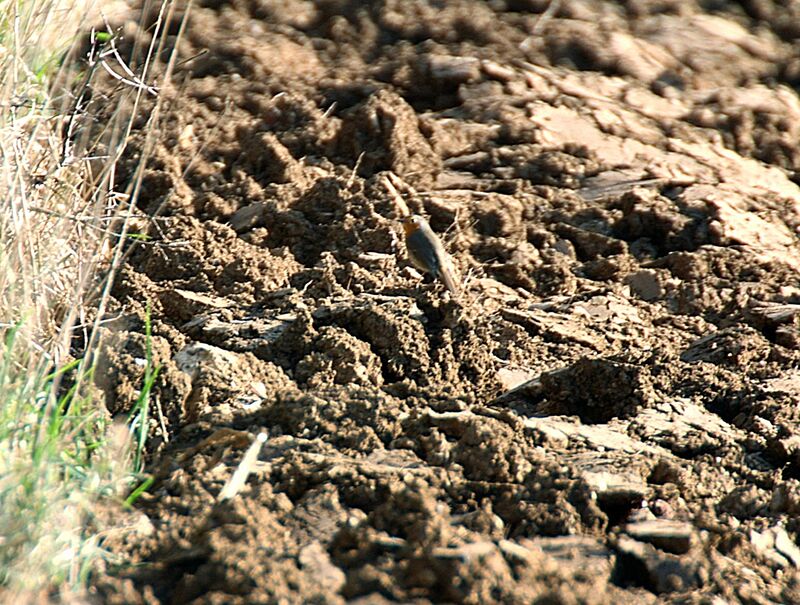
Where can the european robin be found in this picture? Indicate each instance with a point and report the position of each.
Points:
(427, 253)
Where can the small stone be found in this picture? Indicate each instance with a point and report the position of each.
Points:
(645, 284)
(248, 217)
(143, 526)
(671, 536)
(764, 544)
(511, 378)
(786, 546)
(316, 560)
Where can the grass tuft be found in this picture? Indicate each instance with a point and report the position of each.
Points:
(138, 420)
(53, 461)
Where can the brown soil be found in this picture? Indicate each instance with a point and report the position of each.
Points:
(608, 415)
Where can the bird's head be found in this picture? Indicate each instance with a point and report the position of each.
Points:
(411, 223)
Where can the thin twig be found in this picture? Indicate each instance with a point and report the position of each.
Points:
(395, 195)
(551, 10)
(162, 423)
(239, 477)
(353, 174)
(78, 107)
(133, 83)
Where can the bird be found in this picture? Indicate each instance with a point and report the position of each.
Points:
(427, 253)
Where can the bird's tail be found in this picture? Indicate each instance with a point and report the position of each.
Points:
(450, 278)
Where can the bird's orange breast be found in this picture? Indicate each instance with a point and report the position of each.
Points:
(409, 227)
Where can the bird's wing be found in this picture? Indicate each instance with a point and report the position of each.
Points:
(423, 251)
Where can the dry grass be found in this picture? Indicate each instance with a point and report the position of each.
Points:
(63, 216)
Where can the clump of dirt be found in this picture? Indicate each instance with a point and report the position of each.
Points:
(607, 413)
(596, 390)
